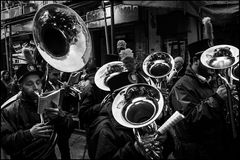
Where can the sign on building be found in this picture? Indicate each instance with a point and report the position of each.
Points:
(122, 14)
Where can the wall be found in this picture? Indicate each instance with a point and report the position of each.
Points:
(154, 39)
(193, 34)
(141, 39)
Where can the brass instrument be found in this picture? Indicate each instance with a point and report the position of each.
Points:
(62, 37)
(137, 106)
(107, 71)
(64, 42)
(158, 65)
(234, 72)
(224, 58)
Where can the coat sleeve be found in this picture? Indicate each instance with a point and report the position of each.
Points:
(194, 109)
(107, 148)
(88, 110)
(13, 141)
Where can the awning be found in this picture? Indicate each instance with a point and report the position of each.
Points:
(221, 12)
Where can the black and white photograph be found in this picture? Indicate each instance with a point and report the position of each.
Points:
(119, 80)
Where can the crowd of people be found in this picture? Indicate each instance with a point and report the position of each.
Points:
(202, 134)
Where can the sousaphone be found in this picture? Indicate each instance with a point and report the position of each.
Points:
(225, 59)
(62, 37)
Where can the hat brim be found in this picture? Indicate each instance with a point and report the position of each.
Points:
(39, 73)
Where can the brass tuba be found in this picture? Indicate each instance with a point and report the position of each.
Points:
(158, 65)
(64, 42)
(138, 106)
(234, 73)
(224, 58)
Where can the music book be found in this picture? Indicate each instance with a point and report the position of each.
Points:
(46, 100)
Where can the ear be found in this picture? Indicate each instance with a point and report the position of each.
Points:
(19, 86)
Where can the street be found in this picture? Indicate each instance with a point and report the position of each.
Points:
(77, 145)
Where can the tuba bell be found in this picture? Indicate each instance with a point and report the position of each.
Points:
(107, 71)
(62, 37)
(234, 73)
(158, 64)
(137, 106)
(220, 57)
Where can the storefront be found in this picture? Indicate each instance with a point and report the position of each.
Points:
(126, 26)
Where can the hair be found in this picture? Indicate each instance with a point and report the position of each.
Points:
(129, 63)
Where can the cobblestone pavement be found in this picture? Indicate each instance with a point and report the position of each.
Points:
(77, 144)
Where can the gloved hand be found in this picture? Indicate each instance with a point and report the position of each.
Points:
(222, 92)
(41, 130)
(150, 144)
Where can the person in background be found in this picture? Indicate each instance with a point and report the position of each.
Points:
(7, 83)
(4, 89)
(53, 79)
(121, 45)
(174, 76)
(20, 122)
(203, 133)
(68, 102)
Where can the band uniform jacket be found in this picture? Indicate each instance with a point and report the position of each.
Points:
(109, 140)
(202, 134)
(17, 118)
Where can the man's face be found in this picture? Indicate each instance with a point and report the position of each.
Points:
(204, 71)
(178, 65)
(30, 84)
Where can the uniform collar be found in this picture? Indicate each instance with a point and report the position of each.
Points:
(192, 73)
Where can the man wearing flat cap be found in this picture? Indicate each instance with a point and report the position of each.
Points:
(202, 134)
(20, 123)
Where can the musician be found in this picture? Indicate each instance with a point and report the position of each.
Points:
(68, 104)
(202, 134)
(20, 123)
(106, 138)
(91, 97)
(53, 79)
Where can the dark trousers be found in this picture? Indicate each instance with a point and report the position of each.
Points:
(63, 145)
